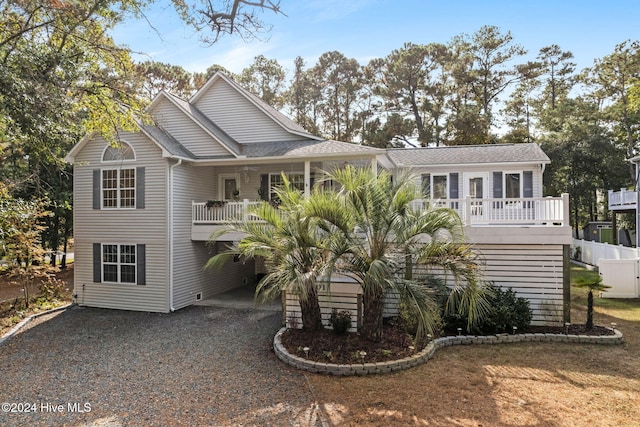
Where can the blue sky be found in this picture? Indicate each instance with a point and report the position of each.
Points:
(366, 29)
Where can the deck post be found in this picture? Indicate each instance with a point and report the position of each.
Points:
(245, 209)
(467, 210)
(566, 283)
(307, 179)
(566, 215)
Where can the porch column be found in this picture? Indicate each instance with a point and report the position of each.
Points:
(307, 178)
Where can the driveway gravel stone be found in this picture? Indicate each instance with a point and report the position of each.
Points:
(198, 366)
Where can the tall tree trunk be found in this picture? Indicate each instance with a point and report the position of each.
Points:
(372, 316)
(310, 307)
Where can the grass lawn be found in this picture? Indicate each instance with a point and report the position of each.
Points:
(526, 384)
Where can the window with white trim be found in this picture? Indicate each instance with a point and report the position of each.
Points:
(275, 180)
(120, 151)
(435, 186)
(512, 185)
(119, 188)
(118, 263)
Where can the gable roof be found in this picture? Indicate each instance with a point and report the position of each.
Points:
(200, 120)
(469, 154)
(308, 145)
(279, 118)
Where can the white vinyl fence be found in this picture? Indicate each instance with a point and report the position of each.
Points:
(619, 267)
(592, 252)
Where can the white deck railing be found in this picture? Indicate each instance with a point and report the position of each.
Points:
(623, 199)
(229, 211)
(538, 211)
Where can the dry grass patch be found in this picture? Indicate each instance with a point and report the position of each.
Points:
(527, 384)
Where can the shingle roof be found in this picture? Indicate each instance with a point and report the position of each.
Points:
(166, 141)
(306, 148)
(469, 154)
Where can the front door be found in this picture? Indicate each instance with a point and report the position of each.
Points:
(476, 187)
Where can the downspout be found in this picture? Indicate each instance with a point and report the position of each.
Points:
(170, 234)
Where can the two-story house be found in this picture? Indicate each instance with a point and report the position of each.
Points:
(143, 212)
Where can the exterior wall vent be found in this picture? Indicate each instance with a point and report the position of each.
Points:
(199, 296)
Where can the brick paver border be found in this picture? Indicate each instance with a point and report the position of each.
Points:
(429, 351)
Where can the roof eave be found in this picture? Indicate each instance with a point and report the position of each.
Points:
(71, 155)
(286, 158)
(431, 165)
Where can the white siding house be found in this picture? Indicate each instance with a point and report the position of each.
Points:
(523, 237)
(144, 212)
(141, 221)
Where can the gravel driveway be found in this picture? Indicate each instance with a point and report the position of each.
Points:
(197, 366)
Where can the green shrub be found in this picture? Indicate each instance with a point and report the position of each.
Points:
(340, 321)
(407, 319)
(506, 311)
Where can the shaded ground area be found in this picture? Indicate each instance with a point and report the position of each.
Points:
(197, 366)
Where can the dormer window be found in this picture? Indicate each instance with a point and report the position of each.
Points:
(119, 152)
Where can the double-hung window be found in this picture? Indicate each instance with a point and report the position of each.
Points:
(119, 188)
(119, 263)
(118, 184)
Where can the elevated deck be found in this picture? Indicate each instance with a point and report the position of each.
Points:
(546, 214)
(623, 200)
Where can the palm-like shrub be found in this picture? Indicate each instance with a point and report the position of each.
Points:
(379, 234)
(292, 245)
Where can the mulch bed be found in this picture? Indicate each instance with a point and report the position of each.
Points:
(328, 347)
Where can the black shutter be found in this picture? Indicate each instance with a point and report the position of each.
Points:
(497, 185)
(140, 187)
(97, 262)
(527, 184)
(264, 187)
(453, 186)
(96, 189)
(141, 264)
